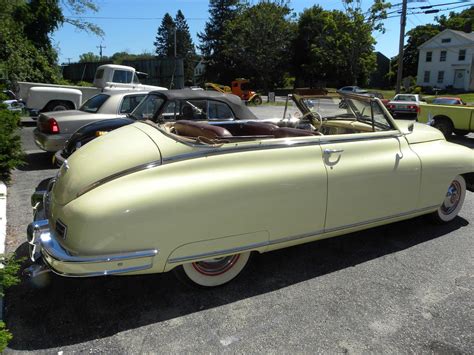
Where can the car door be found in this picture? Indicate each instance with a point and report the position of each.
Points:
(371, 175)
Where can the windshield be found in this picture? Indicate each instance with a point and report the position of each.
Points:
(94, 103)
(148, 108)
(335, 108)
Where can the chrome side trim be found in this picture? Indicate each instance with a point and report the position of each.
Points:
(100, 273)
(294, 237)
(51, 247)
(120, 174)
(261, 146)
(217, 253)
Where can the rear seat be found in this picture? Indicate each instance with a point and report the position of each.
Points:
(200, 129)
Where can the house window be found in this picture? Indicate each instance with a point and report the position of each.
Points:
(442, 56)
(462, 54)
(428, 56)
(446, 40)
(440, 77)
(426, 77)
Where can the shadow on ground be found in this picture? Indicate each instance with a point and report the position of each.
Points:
(38, 161)
(71, 311)
(463, 140)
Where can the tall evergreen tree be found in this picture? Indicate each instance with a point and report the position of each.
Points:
(212, 39)
(164, 41)
(184, 45)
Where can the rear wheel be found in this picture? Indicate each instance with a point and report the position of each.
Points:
(257, 100)
(213, 272)
(58, 106)
(452, 202)
(444, 125)
(460, 132)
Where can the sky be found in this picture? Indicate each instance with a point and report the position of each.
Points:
(137, 35)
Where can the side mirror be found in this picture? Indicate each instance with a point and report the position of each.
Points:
(411, 126)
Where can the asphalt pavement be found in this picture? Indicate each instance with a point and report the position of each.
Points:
(402, 288)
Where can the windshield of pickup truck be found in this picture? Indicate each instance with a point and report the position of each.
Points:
(94, 103)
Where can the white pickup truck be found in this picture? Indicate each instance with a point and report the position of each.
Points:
(41, 97)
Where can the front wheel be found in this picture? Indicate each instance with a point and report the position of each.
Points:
(452, 202)
(214, 272)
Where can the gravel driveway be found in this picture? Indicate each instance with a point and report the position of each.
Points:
(401, 288)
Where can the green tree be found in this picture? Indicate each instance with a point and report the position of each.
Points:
(164, 41)
(212, 42)
(258, 40)
(88, 57)
(184, 45)
(333, 47)
(26, 51)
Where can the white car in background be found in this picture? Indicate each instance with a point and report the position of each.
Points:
(405, 105)
(56, 127)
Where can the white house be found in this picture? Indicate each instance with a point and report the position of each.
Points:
(447, 59)
(199, 71)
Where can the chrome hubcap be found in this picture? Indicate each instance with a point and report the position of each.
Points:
(216, 266)
(452, 198)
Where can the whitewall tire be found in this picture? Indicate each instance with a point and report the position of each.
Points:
(453, 201)
(215, 272)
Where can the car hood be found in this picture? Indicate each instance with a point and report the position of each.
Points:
(420, 133)
(102, 159)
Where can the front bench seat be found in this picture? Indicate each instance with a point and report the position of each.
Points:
(200, 129)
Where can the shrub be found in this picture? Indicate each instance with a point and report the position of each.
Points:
(417, 90)
(11, 154)
(8, 277)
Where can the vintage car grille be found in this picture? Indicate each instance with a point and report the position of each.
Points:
(61, 229)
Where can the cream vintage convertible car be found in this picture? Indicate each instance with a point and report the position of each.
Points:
(200, 197)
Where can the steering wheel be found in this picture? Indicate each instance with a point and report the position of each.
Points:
(315, 118)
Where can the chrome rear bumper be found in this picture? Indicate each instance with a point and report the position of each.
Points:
(45, 247)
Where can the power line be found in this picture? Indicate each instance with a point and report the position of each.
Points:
(431, 11)
(127, 18)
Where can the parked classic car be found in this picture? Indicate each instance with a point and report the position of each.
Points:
(56, 127)
(404, 105)
(170, 105)
(200, 197)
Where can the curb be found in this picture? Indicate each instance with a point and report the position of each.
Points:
(3, 229)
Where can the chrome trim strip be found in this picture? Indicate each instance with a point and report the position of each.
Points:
(294, 237)
(217, 253)
(120, 174)
(262, 146)
(99, 273)
(51, 247)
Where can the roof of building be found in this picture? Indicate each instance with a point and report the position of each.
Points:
(466, 36)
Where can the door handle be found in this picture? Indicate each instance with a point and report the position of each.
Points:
(332, 151)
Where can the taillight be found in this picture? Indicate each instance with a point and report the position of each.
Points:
(391, 106)
(53, 126)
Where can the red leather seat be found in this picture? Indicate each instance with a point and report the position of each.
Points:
(200, 129)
